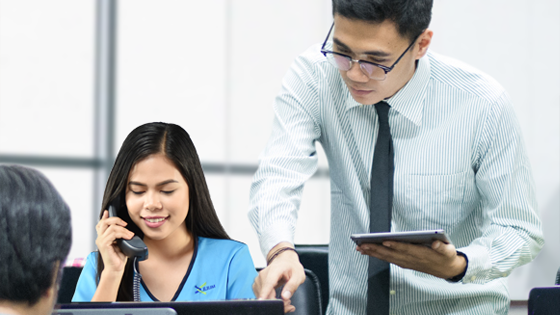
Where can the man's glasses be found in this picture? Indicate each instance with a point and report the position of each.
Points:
(371, 69)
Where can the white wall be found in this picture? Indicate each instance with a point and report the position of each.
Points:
(46, 95)
(215, 66)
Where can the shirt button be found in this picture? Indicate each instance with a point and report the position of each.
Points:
(473, 278)
(392, 292)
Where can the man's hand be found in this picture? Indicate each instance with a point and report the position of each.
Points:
(285, 270)
(441, 260)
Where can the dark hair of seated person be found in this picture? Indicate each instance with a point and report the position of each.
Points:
(35, 236)
(175, 144)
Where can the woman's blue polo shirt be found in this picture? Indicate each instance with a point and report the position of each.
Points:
(219, 270)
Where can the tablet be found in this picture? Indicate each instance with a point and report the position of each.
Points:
(414, 237)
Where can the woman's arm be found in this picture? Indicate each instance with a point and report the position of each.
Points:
(108, 230)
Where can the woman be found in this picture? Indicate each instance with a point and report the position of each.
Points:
(166, 202)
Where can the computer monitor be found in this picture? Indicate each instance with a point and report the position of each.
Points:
(117, 311)
(231, 307)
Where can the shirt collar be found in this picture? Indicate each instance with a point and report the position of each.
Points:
(409, 100)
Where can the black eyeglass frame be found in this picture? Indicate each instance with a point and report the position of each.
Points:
(359, 61)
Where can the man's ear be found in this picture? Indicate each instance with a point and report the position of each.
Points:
(424, 41)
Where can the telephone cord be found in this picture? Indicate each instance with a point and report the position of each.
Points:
(136, 282)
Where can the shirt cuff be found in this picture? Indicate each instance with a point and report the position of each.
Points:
(479, 264)
(460, 276)
(273, 235)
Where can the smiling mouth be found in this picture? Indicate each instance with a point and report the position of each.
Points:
(155, 220)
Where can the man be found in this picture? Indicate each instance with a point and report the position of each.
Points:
(35, 238)
(459, 165)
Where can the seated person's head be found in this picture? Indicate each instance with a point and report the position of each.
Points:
(159, 185)
(35, 238)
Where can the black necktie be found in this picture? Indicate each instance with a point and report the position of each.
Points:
(380, 208)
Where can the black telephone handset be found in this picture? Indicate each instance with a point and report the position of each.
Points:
(134, 247)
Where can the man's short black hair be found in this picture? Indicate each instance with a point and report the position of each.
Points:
(410, 16)
(35, 234)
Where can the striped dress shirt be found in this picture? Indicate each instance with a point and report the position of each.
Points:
(460, 166)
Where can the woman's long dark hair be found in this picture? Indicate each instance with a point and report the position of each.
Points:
(174, 142)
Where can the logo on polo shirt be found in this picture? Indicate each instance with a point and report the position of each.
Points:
(203, 288)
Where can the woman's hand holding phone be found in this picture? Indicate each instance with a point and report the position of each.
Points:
(109, 229)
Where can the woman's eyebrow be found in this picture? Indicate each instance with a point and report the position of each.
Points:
(169, 181)
(374, 53)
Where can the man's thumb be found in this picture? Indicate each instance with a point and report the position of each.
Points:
(289, 288)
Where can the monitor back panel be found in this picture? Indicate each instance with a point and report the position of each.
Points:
(232, 307)
(116, 311)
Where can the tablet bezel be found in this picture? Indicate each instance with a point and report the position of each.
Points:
(426, 237)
